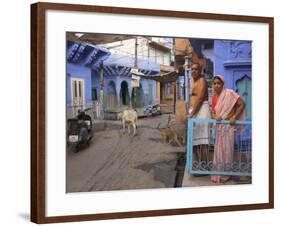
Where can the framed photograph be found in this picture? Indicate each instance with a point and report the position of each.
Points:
(141, 112)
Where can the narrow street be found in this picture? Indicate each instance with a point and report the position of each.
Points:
(117, 161)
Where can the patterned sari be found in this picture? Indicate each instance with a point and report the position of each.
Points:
(225, 135)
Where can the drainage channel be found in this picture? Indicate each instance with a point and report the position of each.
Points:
(180, 168)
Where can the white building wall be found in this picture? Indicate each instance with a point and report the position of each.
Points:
(127, 47)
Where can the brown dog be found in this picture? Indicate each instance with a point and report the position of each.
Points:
(169, 135)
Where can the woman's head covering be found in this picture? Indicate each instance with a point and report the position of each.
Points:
(220, 77)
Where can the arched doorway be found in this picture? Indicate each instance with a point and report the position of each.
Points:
(111, 96)
(244, 89)
(124, 94)
(137, 96)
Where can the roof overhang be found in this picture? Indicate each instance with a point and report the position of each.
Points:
(95, 38)
(167, 77)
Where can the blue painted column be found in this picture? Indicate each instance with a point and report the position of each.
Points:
(118, 87)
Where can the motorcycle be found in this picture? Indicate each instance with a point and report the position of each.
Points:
(80, 130)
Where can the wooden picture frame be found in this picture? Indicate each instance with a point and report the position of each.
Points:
(39, 103)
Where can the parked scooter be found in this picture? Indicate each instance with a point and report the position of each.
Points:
(80, 130)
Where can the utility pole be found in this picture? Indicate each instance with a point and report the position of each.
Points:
(187, 78)
(101, 87)
(135, 66)
(136, 53)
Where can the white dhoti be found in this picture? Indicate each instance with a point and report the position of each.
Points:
(201, 129)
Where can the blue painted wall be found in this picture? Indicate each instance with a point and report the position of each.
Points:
(83, 61)
(81, 72)
(145, 85)
(95, 82)
(118, 79)
(233, 60)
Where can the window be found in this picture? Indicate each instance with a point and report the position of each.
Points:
(168, 88)
(94, 94)
(150, 93)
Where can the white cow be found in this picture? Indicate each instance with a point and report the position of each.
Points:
(129, 117)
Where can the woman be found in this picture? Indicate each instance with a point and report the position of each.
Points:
(226, 105)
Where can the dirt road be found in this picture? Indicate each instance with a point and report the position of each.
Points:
(117, 161)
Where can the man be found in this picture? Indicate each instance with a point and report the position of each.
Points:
(199, 108)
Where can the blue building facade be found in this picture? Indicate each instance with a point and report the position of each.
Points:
(84, 86)
(233, 60)
(118, 91)
(81, 58)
